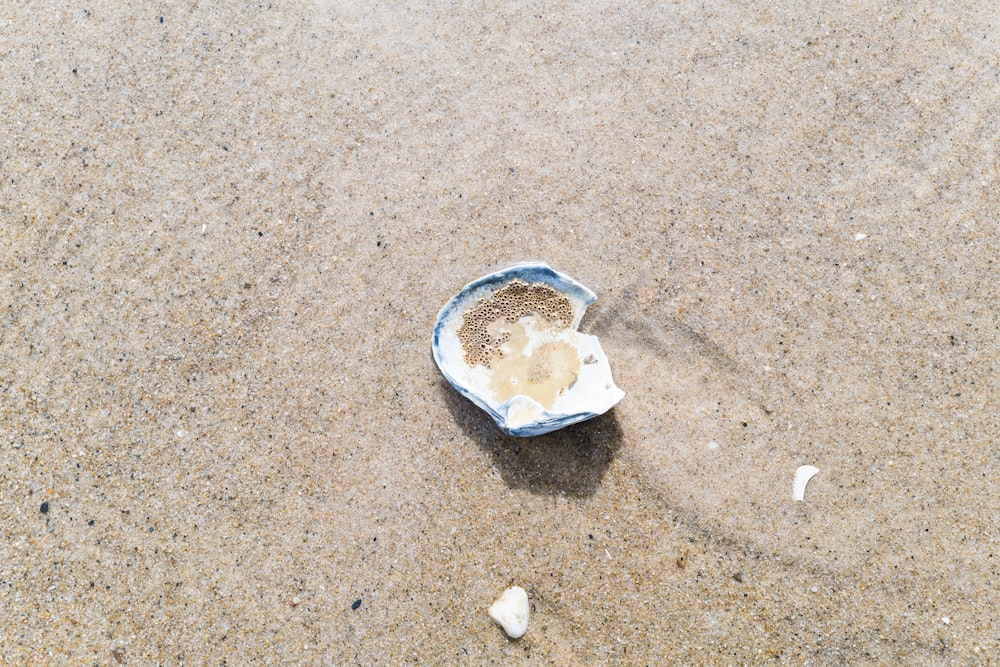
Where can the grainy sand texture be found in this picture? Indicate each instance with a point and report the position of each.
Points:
(227, 229)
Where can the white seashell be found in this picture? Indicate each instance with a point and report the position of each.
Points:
(802, 477)
(508, 342)
(511, 611)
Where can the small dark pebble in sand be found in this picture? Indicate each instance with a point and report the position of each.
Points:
(738, 577)
(356, 604)
(45, 507)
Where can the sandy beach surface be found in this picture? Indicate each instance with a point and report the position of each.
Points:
(227, 231)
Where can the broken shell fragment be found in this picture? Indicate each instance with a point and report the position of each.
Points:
(511, 611)
(509, 343)
(802, 476)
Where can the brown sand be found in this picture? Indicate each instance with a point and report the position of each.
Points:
(228, 228)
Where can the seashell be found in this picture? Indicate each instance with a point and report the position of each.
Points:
(511, 610)
(802, 476)
(509, 343)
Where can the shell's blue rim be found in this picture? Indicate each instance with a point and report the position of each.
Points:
(530, 272)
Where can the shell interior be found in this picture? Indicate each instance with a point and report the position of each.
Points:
(509, 342)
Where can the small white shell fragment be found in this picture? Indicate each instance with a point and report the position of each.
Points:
(509, 343)
(802, 477)
(860, 237)
(511, 611)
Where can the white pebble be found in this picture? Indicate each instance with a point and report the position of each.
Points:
(802, 477)
(860, 237)
(511, 611)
